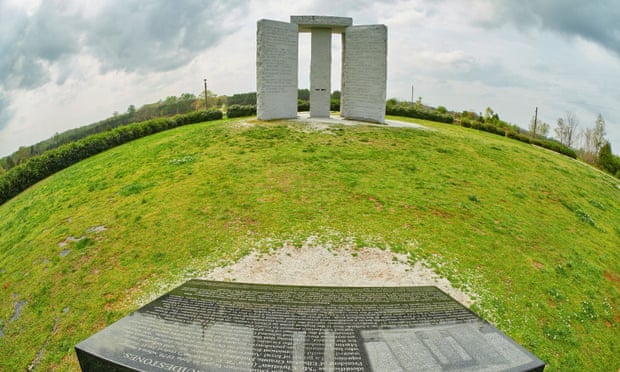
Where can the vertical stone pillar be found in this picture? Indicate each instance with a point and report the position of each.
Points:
(364, 73)
(276, 70)
(343, 82)
(320, 72)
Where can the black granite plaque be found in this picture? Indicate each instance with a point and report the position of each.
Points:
(221, 326)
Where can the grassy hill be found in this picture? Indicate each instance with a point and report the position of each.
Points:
(533, 235)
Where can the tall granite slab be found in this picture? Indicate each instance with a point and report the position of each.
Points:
(320, 72)
(222, 326)
(364, 73)
(276, 70)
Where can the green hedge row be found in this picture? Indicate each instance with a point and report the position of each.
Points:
(413, 112)
(511, 133)
(302, 105)
(555, 146)
(37, 168)
(499, 129)
(237, 111)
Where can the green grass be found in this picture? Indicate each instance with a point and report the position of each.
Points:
(532, 234)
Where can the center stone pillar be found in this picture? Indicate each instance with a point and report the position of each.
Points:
(320, 72)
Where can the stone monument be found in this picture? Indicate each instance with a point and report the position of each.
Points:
(364, 68)
(223, 326)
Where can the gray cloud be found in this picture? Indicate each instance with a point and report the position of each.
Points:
(149, 36)
(135, 35)
(31, 43)
(596, 21)
(131, 35)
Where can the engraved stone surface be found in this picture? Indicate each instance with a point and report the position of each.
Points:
(364, 73)
(320, 72)
(276, 70)
(222, 326)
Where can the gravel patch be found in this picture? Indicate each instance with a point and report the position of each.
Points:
(324, 123)
(316, 265)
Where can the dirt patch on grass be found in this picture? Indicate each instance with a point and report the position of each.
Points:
(611, 277)
(317, 265)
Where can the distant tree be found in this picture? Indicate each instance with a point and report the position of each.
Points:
(55, 140)
(533, 128)
(488, 113)
(469, 115)
(598, 134)
(391, 102)
(571, 124)
(591, 140)
(199, 102)
(241, 99)
(334, 101)
(303, 94)
(146, 112)
(22, 154)
(169, 106)
(131, 110)
(607, 161)
(543, 128)
(7, 162)
(566, 129)
(185, 103)
(588, 150)
(538, 128)
(442, 109)
(221, 101)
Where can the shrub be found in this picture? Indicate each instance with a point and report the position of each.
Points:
(518, 137)
(303, 105)
(334, 104)
(236, 111)
(555, 146)
(418, 113)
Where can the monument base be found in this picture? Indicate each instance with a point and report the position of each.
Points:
(221, 326)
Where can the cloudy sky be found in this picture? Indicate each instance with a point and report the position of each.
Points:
(68, 63)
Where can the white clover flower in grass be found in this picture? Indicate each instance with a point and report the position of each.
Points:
(182, 160)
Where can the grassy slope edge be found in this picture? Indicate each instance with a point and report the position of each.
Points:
(533, 234)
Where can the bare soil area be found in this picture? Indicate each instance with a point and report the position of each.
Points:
(315, 265)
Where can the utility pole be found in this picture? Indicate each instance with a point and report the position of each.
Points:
(206, 104)
(411, 93)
